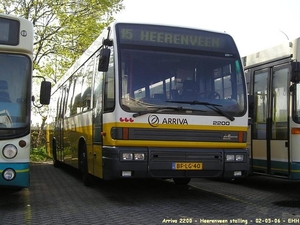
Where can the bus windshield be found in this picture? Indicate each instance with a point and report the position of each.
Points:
(152, 78)
(197, 70)
(15, 84)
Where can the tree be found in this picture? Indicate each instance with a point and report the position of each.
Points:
(63, 31)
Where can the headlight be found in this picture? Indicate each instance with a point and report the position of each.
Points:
(239, 158)
(229, 158)
(10, 151)
(9, 174)
(127, 156)
(139, 156)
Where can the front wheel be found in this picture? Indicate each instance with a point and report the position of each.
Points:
(182, 181)
(83, 165)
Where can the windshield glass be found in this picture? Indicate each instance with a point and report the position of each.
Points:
(152, 78)
(15, 86)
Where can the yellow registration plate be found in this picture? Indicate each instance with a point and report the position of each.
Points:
(187, 166)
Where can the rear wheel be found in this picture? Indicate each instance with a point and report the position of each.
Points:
(182, 181)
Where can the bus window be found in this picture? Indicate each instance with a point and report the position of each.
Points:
(86, 97)
(76, 105)
(109, 95)
(280, 104)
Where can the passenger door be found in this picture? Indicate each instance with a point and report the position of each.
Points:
(270, 128)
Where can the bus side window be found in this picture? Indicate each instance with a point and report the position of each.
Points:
(76, 104)
(70, 98)
(109, 93)
(98, 91)
(86, 99)
(87, 84)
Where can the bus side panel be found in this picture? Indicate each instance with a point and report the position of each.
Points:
(279, 158)
(259, 154)
(295, 153)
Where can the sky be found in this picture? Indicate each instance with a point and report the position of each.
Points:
(254, 24)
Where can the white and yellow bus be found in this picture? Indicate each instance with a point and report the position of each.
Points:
(273, 77)
(16, 51)
(153, 101)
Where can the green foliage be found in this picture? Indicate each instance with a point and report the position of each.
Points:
(39, 154)
(38, 147)
(63, 29)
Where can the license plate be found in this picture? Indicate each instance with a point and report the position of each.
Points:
(187, 166)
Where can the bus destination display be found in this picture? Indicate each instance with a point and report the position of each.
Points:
(9, 32)
(166, 36)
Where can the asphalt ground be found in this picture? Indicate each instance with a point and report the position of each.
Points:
(58, 196)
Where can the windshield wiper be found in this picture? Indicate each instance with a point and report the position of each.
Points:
(164, 108)
(211, 106)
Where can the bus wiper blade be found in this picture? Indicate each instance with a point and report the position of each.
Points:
(163, 108)
(211, 106)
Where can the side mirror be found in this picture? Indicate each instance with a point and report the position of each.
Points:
(295, 72)
(45, 92)
(104, 60)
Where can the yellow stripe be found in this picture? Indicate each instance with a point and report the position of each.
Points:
(19, 171)
(22, 171)
(177, 126)
(182, 144)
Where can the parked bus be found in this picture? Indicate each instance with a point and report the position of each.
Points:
(273, 82)
(16, 49)
(153, 101)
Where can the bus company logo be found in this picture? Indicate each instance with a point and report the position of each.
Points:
(153, 120)
(126, 120)
(175, 121)
(221, 123)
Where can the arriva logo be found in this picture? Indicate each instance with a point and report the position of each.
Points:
(174, 121)
(153, 120)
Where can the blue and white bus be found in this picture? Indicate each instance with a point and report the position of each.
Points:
(16, 52)
(273, 77)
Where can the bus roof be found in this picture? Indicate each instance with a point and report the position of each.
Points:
(288, 49)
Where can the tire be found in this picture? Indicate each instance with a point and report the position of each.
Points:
(181, 181)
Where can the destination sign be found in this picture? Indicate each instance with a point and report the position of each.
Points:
(9, 31)
(140, 34)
